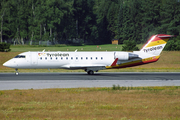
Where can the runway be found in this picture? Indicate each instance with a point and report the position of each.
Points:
(9, 81)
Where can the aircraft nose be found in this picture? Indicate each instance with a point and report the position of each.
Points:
(7, 64)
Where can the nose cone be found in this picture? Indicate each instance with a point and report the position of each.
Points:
(7, 64)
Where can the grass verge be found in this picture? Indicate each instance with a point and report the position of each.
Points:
(116, 103)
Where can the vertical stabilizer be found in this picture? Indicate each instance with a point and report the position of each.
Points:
(156, 44)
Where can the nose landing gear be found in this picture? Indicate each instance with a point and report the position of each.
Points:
(17, 73)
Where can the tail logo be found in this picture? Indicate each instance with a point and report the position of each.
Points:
(153, 48)
(156, 44)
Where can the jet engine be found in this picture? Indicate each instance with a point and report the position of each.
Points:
(125, 55)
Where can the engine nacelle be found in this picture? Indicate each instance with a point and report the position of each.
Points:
(125, 55)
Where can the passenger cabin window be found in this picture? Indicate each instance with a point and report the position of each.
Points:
(61, 58)
(101, 58)
(71, 58)
(86, 58)
(20, 56)
(40, 58)
(91, 58)
(66, 58)
(81, 58)
(56, 58)
(46, 58)
(96, 58)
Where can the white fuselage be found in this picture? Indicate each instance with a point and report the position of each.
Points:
(69, 60)
(88, 61)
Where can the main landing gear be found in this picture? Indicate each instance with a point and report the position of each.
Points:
(17, 73)
(90, 72)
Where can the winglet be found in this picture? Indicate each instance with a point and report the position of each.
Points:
(114, 63)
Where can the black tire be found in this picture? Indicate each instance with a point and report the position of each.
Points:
(90, 72)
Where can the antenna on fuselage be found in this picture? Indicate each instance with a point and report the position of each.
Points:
(76, 50)
(43, 50)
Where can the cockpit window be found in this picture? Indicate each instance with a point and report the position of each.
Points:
(20, 56)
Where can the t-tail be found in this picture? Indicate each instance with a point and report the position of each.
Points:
(156, 44)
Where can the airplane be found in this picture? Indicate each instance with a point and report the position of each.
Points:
(90, 61)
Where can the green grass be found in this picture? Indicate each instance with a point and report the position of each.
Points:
(133, 103)
(108, 47)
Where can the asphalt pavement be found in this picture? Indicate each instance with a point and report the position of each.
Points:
(9, 81)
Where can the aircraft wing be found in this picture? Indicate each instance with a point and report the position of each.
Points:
(85, 67)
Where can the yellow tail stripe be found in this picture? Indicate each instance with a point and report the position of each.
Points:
(135, 63)
(159, 42)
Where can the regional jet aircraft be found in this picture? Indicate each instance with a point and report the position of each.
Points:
(90, 61)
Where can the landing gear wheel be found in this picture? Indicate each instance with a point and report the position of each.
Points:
(17, 73)
(90, 72)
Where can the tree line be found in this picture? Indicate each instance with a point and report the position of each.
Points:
(90, 21)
